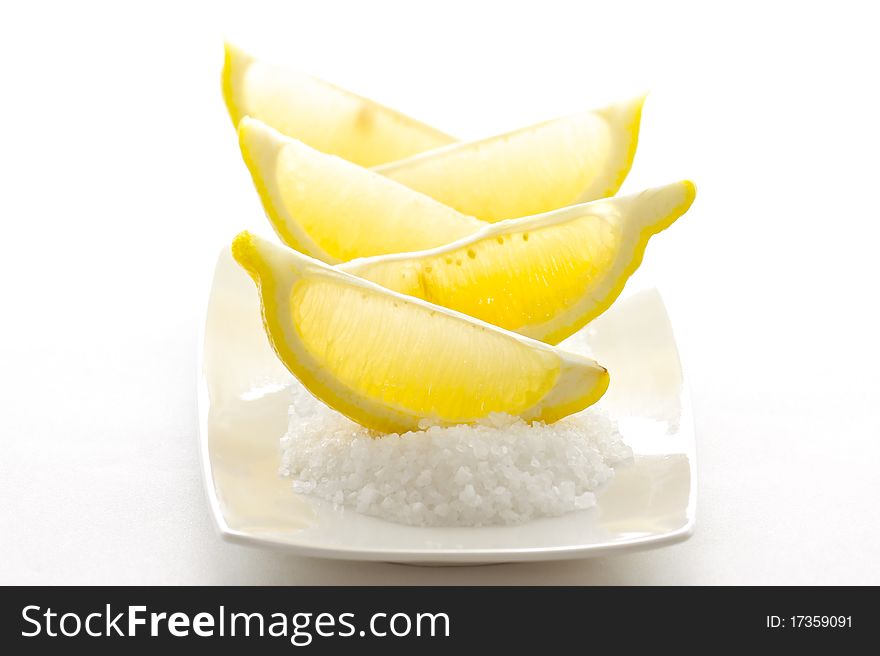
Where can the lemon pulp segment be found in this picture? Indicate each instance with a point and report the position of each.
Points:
(320, 114)
(499, 376)
(388, 361)
(544, 276)
(334, 210)
(573, 159)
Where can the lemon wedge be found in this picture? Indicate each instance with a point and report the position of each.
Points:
(334, 210)
(543, 276)
(573, 159)
(320, 114)
(391, 362)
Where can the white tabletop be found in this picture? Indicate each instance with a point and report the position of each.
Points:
(121, 176)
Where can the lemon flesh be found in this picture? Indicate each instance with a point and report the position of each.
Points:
(334, 210)
(320, 114)
(544, 276)
(573, 159)
(389, 362)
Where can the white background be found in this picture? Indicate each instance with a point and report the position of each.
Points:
(120, 177)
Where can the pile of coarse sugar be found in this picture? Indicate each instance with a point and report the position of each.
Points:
(499, 471)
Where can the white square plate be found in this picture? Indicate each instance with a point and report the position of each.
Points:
(243, 413)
